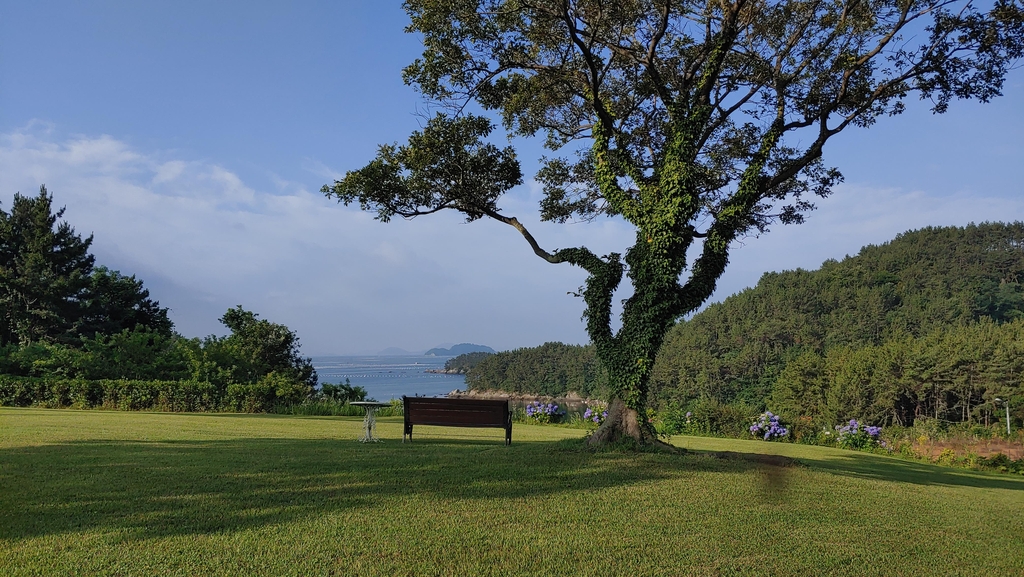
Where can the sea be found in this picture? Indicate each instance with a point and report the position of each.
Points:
(390, 377)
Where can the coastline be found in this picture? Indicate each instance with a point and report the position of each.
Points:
(570, 400)
(446, 371)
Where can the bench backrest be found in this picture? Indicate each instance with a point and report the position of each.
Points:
(457, 412)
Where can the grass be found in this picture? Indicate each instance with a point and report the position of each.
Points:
(94, 492)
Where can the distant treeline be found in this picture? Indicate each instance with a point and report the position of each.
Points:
(929, 324)
(466, 361)
(550, 369)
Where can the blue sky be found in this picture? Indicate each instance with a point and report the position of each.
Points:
(191, 138)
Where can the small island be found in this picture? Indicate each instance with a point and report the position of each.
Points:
(457, 350)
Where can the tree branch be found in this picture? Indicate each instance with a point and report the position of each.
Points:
(514, 223)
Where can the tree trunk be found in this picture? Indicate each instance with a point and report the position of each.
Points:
(629, 355)
(623, 422)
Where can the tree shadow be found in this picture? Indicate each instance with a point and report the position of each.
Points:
(886, 468)
(161, 488)
(142, 489)
(868, 466)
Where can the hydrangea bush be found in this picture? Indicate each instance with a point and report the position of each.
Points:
(544, 412)
(595, 414)
(768, 427)
(853, 435)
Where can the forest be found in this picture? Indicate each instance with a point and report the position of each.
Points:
(930, 324)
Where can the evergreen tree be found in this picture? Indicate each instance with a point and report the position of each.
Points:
(114, 303)
(45, 272)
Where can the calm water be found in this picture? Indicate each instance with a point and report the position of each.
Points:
(386, 378)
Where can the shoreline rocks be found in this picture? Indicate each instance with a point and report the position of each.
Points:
(570, 399)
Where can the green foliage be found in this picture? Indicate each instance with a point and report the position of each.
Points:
(116, 303)
(257, 347)
(890, 334)
(342, 392)
(268, 394)
(447, 165)
(707, 417)
(552, 369)
(271, 391)
(45, 272)
(321, 408)
(326, 407)
(124, 395)
(138, 354)
(466, 361)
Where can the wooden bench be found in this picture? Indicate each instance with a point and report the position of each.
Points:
(457, 413)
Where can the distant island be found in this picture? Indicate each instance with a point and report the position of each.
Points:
(457, 350)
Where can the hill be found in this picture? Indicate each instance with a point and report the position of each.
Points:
(923, 281)
(550, 369)
(457, 350)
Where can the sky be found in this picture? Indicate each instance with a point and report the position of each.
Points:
(191, 140)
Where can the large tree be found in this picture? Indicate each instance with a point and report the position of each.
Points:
(258, 347)
(45, 270)
(115, 303)
(696, 122)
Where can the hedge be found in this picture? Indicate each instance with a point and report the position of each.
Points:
(128, 395)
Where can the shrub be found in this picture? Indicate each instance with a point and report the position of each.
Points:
(710, 417)
(342, 392)
(768, 427)
(270, 392)
(544, 412)
(396, 409)
(804, 430)
(126, 395)
(854, 436)
(596, 414)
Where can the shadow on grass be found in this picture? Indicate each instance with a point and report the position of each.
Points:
(866, 465)
(894, 469)
(160, 488)
(153, 489)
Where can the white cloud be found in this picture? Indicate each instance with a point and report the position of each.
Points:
(204, 240)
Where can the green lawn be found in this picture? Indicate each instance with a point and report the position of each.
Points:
(94, 492)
